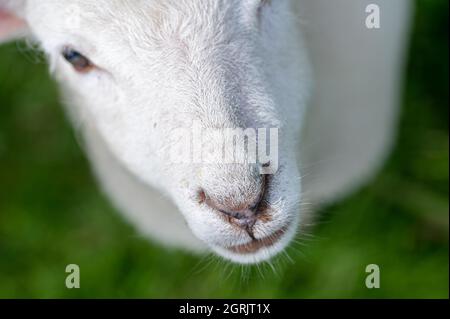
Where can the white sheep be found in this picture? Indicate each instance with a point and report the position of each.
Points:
(135, 71)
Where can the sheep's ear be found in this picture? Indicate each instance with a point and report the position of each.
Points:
(12, 26)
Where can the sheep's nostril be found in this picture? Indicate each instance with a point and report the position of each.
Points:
(201, 196)
(244, 214)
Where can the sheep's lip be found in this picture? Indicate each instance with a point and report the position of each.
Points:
(256, 244)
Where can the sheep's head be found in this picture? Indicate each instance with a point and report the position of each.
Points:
(149, 74)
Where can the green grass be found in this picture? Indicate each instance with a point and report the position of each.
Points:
(52, 213)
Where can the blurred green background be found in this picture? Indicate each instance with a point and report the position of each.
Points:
(52, 213)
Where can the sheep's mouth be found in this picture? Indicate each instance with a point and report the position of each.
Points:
(256, 244)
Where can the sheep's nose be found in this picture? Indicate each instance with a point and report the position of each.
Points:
(242, 212)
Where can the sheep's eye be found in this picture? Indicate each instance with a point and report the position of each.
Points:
(79, 62)
(262, 4)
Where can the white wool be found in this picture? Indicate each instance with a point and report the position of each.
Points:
(226, 63)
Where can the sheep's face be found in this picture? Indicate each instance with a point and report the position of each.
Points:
(141, 72)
